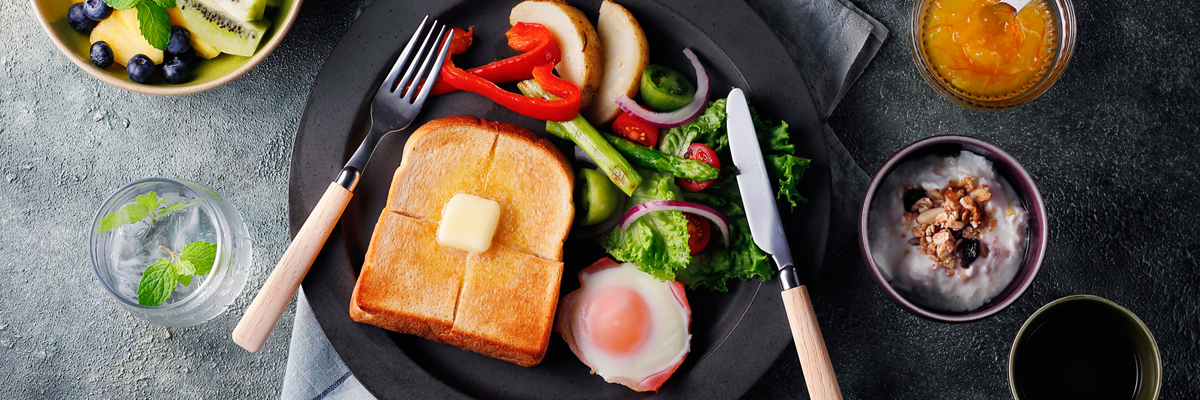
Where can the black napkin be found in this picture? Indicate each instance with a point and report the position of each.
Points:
(831, 42)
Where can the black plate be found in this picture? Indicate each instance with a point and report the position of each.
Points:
(736, 335)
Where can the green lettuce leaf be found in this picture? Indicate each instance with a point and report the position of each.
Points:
(772, 138)
(788, 169)
(658, 242)
(707, 129)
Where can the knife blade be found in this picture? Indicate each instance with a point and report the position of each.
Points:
(761, 211)
(767, 230)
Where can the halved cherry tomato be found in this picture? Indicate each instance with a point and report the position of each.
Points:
(637, 131)
(699, 232)
(700, 152)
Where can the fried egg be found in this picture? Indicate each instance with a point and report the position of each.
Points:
(629, 327)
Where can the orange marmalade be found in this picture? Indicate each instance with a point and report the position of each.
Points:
(983, 50)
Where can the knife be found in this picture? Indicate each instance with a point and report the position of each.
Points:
(767, 231)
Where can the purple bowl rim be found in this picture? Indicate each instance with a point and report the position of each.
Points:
(1019, 171)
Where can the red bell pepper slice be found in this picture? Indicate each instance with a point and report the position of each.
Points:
(563, 109)
(535, 42)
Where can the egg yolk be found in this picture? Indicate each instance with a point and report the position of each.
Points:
(618, 320)
(982, 49)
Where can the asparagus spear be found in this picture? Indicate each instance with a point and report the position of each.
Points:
(581, 132)
(676, 165)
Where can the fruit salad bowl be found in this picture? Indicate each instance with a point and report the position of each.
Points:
(201, 74)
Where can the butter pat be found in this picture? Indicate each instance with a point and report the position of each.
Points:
(468, 223)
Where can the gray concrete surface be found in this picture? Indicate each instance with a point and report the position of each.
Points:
(67, 140)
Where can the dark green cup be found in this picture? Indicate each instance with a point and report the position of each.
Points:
(1084, 347)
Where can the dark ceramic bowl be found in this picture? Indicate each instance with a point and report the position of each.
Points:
(1127, 326)
(1022, 184)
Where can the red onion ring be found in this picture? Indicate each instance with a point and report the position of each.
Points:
(677, 205)
(678, 117)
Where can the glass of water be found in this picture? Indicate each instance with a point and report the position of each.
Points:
(127, 237)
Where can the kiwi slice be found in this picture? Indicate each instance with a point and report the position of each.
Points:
(243, 10)
(220, 29)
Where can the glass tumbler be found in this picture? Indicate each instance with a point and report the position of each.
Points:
(120, 254)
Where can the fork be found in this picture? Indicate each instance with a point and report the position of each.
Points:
(393, 108)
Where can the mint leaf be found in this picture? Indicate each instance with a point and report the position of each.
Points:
(165, 3)
(176, 206)
(155, 24)
(186, 270)
(126, 215)
(158, 281)
(150, 200)
(202, 255)
(122, 4)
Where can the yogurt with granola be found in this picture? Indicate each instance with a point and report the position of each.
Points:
(948, 232)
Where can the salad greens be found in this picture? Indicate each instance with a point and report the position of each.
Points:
(657, 243)
(706, 129)
(778, 151)
(647, 157)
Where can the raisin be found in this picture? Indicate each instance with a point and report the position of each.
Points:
(912, 196)
(968, 250)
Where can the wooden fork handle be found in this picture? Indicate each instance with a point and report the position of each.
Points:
(810, 345)
(276, 293)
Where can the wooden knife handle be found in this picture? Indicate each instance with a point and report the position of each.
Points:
(276, 293)
(814, 358)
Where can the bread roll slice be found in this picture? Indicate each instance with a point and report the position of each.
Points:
(582, 56)
(626, 54)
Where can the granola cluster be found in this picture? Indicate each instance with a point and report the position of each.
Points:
(947, 222)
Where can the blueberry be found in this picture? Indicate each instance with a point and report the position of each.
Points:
(77, 19)
(181, 40)
(140, 68)
(102, 55)
(188, 57)
(96, 10)
(176, 71)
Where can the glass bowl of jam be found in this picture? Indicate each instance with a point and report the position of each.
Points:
(980, 55)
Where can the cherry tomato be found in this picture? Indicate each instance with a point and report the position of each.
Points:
(704, 154)
(699, 232)
(637, 131)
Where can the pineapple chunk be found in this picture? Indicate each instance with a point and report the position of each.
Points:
(203, 49)
(122, 34)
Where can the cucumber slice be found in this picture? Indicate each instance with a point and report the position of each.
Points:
(598, 196)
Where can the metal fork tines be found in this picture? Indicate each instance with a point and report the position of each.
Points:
(400, 97)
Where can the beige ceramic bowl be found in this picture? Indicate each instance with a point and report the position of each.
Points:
(208, 74)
